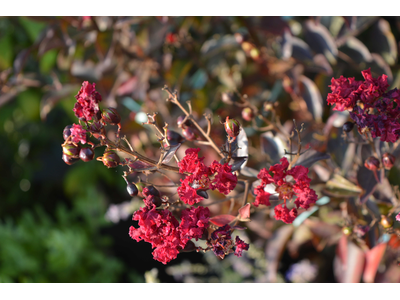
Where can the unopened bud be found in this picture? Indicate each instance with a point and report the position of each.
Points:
(96, 129)
(150, 190)
(180, 123)
(189, 247)
(72, 150)
(372, 163)
(69, 160)
(247, 114)
(67, 131)
(232, 127)
(388, 160)
(386, 222)
(86, 154)
(132, 189)
(189, 134)
(174, 137)
(110, 159)
(111, 116)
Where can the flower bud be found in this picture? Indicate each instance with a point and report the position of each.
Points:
(132, 189)
(189, 134)
(96, 129)
(386, 222)
(150, 190)
(140, 186)
(347, 231)
(110, 159)
(348, 126)
(69, 160)
(67, 132)
(174, 137)
(247, 114)
(72, 150)
(232, 127)
(86, 154)
(388, 160)
(372, 163)
(111, 116)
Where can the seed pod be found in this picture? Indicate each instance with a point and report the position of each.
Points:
(232, 127)
(174, 137)
(247, 114)
(86, 154)
(111, 116)
(150, 190)
(386, 222)
(69, 160)
(72, 150)
(110, 159)
(388, 160)
(140, 186)
(348, 126)
(372, 163)
(189, 134)
(132, 189)
(67, 132)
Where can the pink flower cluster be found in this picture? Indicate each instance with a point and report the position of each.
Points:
(163, 231)
(87, 102)
(199, 179)
(370, 106)
(398, 217)
(78, 134)
(222, 244)
(287, 183)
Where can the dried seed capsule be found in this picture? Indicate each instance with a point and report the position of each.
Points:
(69, 160)
(388, 160)
(372, 163)
(132, 189)
(348, 126)
(232, 127)
(111, 116)
(247, 114)
(110, 159)
(86, 154)
(67, 132)
(72, 150)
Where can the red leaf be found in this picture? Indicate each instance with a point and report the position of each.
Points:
(373, 258)
(222, 220)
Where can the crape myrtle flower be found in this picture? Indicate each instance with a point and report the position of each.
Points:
(224, 180)
(163, 231)
(222, 244)
(288, 184)
(398, 217)
(87, 102)
(370, 105)
(78, 134)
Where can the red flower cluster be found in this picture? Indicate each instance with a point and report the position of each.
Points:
(87, 102)
(370, 106)
(224, 181)
(222, 244)
(78, 134)
(163, 231)
(287, 183)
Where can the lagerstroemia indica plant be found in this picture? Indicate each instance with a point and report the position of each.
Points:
(174, 224)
